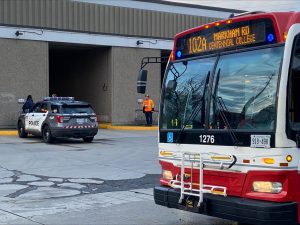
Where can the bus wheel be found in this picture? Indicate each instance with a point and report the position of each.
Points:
(21, 130)
(47, 136)
(88, 139)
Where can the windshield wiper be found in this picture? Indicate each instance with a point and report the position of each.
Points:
(196, 110)
(192, 116)
(222, 108)
(251, 100)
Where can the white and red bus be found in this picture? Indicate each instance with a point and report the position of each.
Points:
(229, 126)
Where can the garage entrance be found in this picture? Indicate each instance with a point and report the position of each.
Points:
(80, 71)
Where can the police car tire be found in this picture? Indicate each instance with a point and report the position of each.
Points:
(88, 139)
(21, 130)
(47, 136)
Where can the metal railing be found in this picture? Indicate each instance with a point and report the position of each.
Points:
(195, 161)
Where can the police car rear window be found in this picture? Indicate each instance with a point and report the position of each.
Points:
(55, 108)
(71, 109)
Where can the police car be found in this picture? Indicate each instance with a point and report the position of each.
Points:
(59, 117)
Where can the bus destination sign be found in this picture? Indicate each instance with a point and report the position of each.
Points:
(229, 36)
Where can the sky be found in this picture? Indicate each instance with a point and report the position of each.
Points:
(247, 5)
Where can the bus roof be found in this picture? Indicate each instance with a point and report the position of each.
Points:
(281, 20)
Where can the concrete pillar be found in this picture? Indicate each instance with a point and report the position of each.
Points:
(125, 65)
(23, 71)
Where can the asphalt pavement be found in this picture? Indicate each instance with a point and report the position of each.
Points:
(108, 181)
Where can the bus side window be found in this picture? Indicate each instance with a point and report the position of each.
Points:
(294, 103)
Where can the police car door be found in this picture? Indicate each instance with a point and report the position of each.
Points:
(40, 117)
(36, 118)
(30, 117)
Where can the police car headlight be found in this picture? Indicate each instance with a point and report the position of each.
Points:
(167, 174)
(267, 187)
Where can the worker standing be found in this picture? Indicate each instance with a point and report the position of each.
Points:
(148, 108)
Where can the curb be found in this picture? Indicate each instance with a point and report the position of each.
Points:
(8, 132)
(101, 126)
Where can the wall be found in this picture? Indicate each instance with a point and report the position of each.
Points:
(96, 18)
(24, 70)
(125, 65)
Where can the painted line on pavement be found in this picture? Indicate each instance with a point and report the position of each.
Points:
(8, 132)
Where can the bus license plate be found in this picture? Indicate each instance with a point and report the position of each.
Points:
(260, 141)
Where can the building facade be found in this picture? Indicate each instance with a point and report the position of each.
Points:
(89, 49)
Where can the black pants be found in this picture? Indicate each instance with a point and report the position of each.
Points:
(148, 118)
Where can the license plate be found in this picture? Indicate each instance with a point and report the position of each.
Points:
(260, 141)
(80, 121)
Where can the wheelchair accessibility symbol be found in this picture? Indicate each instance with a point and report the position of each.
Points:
(170, 137)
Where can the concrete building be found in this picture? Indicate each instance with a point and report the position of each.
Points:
(89, 49)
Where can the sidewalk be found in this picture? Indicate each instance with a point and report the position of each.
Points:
(14, 132)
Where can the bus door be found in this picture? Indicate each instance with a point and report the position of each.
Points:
(293, 108)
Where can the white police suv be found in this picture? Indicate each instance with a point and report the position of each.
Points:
(59, 117)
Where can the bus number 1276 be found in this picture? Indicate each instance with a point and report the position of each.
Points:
(208, 139)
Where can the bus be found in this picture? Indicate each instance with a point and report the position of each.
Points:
(229, 123)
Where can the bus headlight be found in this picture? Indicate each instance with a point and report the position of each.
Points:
(267, 187)
(167, 174)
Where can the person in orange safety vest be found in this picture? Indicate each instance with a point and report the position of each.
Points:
(148, 108)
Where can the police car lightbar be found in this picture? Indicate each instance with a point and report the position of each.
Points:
(59, 99)
(21, 101)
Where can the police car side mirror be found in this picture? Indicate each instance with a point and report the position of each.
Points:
(21, 101)
(142, 81)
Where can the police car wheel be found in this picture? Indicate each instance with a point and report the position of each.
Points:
(47, 136)
(21, 130)
(88, 139)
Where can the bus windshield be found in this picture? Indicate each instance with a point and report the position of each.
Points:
(243, 90)
(186, 93)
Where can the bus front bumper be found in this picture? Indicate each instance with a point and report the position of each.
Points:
(231, 208)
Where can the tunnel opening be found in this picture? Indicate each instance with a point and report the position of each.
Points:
(80, 71)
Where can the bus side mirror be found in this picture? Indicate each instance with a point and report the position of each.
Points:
(171, 85)
(142, 82)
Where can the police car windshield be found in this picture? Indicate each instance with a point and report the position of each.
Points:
(72, 109)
